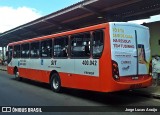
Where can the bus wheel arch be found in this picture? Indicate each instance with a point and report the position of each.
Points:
(55, 81)
(15, 70)
(16, 73)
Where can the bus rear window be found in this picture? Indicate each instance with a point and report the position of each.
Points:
(98, 43)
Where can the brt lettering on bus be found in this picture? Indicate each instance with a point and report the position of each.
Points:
(53, 62)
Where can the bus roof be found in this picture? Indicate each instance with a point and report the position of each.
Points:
(90, 28)
(129, 24)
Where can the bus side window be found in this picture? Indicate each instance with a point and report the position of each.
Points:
(61, 47)
(80, 45)
(46, 48)
(25, 50)
(34, 51)
(16, 53)
(98, 43)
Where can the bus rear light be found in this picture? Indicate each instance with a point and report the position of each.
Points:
(150, 68)
(115, 65)
(116, 77)
(115, 70)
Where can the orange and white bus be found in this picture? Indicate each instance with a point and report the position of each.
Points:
(107, 57)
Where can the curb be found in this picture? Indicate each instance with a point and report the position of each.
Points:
(3, 69)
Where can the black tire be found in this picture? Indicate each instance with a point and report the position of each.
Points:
(16, 74)
(55, 83)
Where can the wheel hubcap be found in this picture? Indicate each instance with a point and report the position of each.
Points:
(55, 83)
(17, 74)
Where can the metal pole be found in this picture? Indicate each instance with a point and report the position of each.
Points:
(137, 52)
(2, 55)
(5, 52)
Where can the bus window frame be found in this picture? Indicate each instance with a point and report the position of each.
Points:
(29, 51)
(103, 30)
(14, 50)
(38, 48)
(70, 44)
(41, 49)
(67, 48)
(9, 57)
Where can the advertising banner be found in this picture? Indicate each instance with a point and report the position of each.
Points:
(130, 48)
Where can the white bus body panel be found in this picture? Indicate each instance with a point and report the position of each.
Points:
(88, 67)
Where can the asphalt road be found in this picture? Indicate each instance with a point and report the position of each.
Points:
(30, 93)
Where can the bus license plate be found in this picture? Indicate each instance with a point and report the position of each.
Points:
(135, 78)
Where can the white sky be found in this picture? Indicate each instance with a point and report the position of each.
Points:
(11, 18)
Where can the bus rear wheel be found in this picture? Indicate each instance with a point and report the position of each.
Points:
(55, 83)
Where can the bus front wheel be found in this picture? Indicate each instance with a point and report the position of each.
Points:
(55, 83)
(16, 74)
